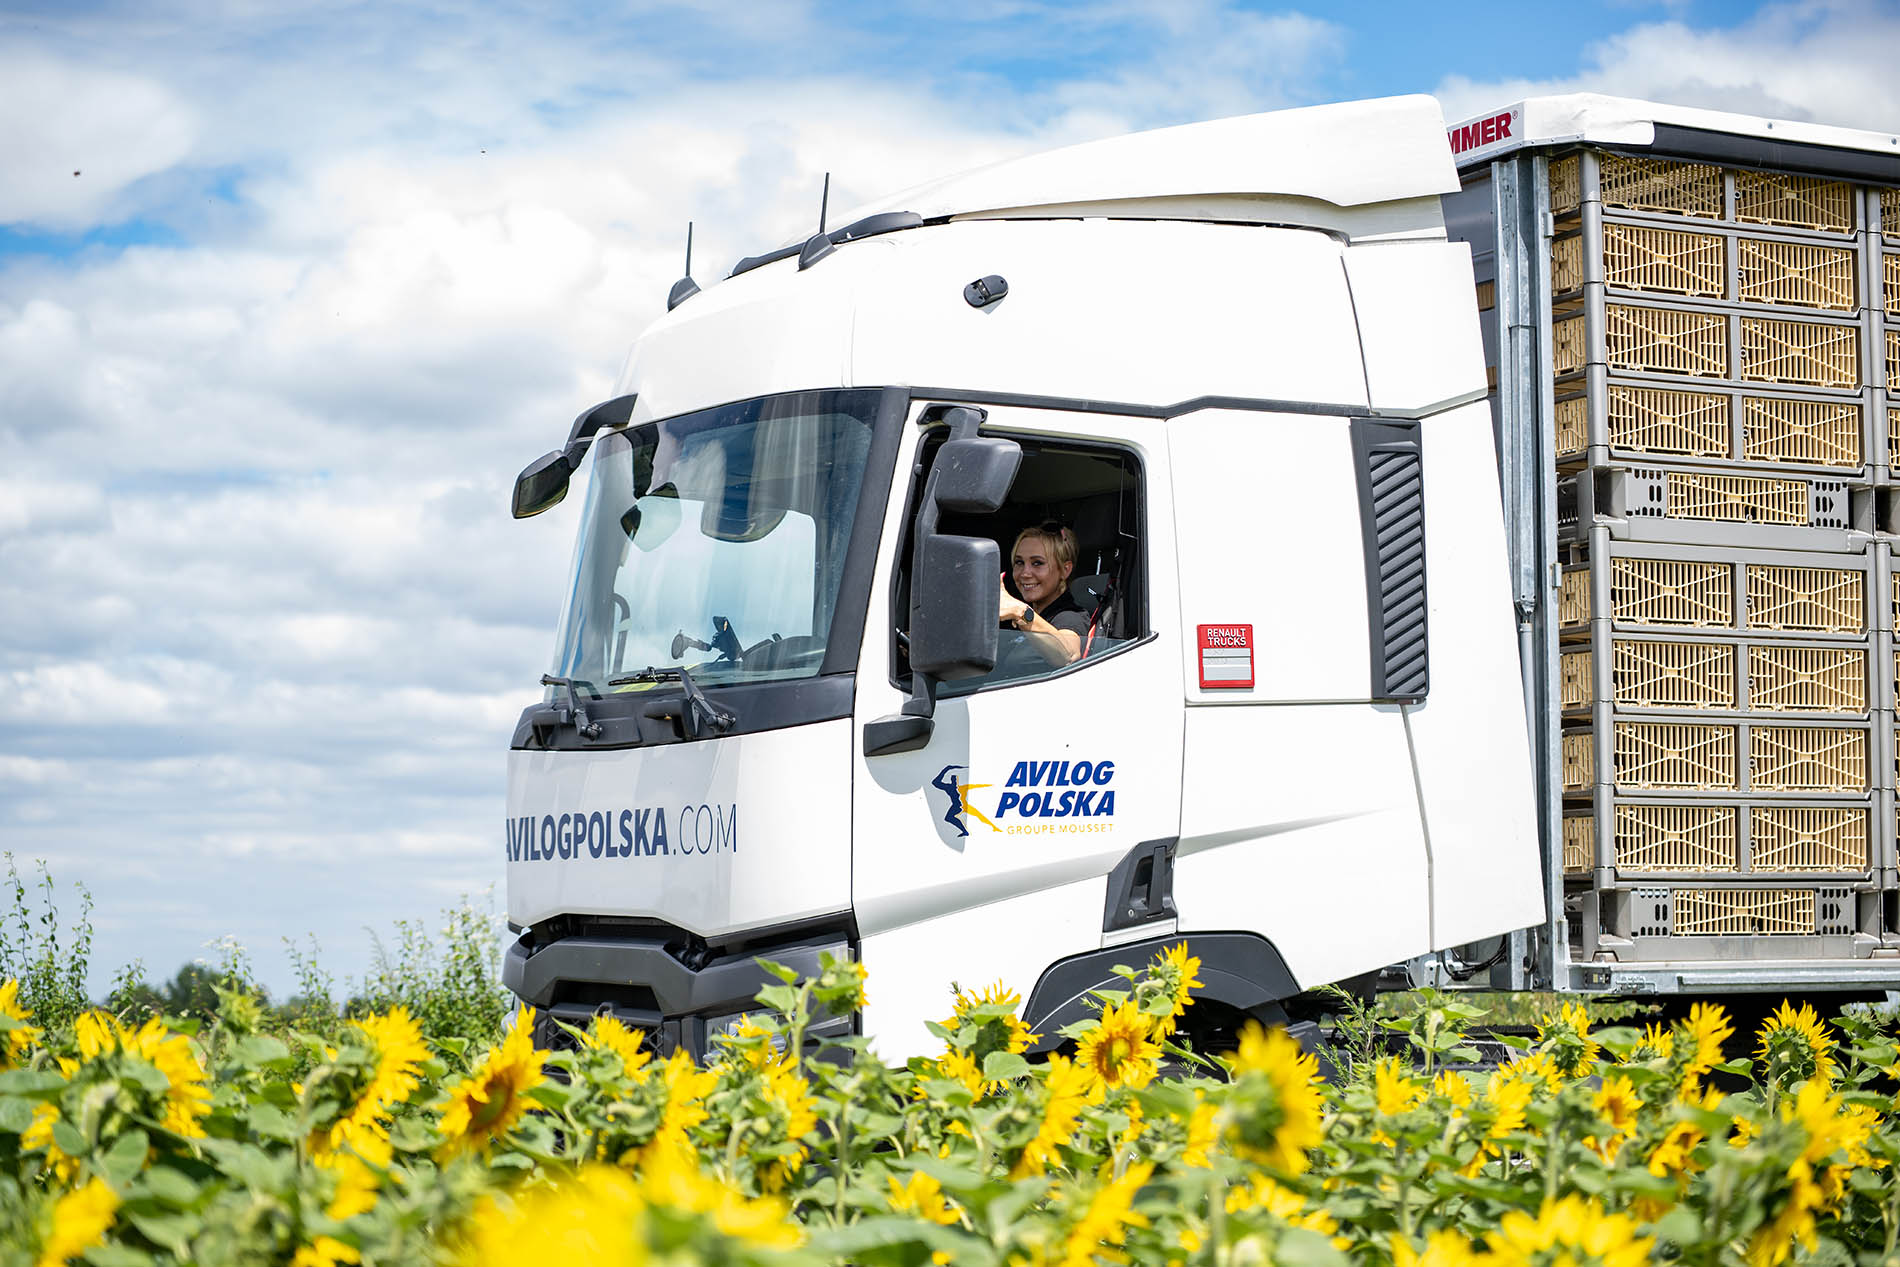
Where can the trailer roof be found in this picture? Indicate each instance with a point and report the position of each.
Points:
(1676, 131)
(1254, 168)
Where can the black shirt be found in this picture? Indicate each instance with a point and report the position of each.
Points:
(1016, 658)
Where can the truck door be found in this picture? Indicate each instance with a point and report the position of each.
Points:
(985, 855)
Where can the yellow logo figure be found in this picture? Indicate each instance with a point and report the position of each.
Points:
(963, 794)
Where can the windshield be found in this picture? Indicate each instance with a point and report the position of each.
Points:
(716, 541)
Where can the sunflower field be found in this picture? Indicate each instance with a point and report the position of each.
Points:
(157, 1141)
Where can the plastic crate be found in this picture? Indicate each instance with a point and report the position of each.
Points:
(1672, 674)
(1893, 428)
(1580, 844)
(1579, 760)
(1566, 186)
(1890, 269)
(1658, 420)
(1893, 362)
(1671, 592)
(1566, 264)
(1568, 348)
(1749, 499)
(1573, 670)
(1801, 352)
(1665, 340)
(1823, 432)
(1638, 257)
(1676, 838)
(1573, 598)
(1807, 679)
(1808, 759)
(1890, 213)
(1799, 202)
(1742, 912)
(1573, 431)
(1487, 296)
(1808, 839)
(1805, 274)
(1681, 755)
(1815, 600)
(1654, 184)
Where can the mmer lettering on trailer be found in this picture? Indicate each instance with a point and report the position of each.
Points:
(1480, 132)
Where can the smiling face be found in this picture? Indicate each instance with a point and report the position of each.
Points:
(1039, 569)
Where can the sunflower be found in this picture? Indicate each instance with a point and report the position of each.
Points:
(1508, 1096)
(608, 1033)
(1106, 1221)
(1176, 968)
(1703, 1034)
(922, 1196)
(187, 1097)
(1284, 1204)
(1117, 1050)
(1615, 1103)
(683, 1087)
(1569, 1230)
(1795, 1046)
(792, 1115)
(1394, 1092)
(22, 1036)
(325, 1251)
(1201, 1134)
(1065, 1086)
(38, 1136)
(485, 1105)
(1280, 1117)
(1657, 1043)
(81, 1220)
(1533, 1068)
(1444, 1247)
(1454, 1089)
(673, 1179)
(396, 1039)
(595, 1216)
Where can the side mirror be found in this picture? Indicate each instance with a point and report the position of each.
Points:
(954, 607)
(542, 484)
(973, 477)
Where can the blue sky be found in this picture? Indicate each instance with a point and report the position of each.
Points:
(289, 292)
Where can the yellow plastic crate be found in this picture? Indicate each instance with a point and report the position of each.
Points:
(1807, 679)
(1802, 352)
(1665, 340)
(1806, 274)
(1566, 186)
(1817, 600)
(1573, 668)
(1671, 592)
(1638, 257)
(1890, 213)
(1800, 202)
(1487, 296)
(1676, 838)
(1573, 433)
(1749, 499)
(1890, 267)
(1742, 912)
(1682, 755)
(1566, 264)
(1824, 432)
(1568, 348)
(1573, 598)
(1580, 844)
(1673, 674)
(1580, 760)
(1808, 839)
(1808, 759)
(1893, 429)
(1893, 361)
(1654, 184)
(1657, 420)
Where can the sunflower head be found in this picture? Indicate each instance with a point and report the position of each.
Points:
(18, 1034)
(1795, 1046)
(485, 1106)
(1062, 1090)
(1564, 1036)
(1571, 1230)
(1119, 1049)
(1173, 971)
(610, 1034)
(1698, 1043)
(1276, 1105)
(1394, 1091)
(981, 1023)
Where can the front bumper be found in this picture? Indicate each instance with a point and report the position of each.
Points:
(642, 983)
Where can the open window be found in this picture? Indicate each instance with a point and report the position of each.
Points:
(1095, 491)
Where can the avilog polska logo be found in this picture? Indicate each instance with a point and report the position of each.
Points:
(1038, 796)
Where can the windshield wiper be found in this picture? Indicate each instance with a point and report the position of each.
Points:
(706, 715)
(573, 713)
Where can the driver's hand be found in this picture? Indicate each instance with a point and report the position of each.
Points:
(1010, 609)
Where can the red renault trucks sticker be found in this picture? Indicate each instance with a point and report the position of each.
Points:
(1226, 657)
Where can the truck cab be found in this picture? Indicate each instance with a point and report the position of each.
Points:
(1239, 363)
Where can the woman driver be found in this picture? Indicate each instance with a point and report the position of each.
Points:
(1051, 624)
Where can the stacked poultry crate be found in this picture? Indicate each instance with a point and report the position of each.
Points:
(1721, 351)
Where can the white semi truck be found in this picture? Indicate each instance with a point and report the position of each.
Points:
(1325, 712)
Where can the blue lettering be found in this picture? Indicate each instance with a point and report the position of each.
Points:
(1084, 804)
(1082, 772)
(1007, 801)
(659, 833)
(1105, 771)
(1068, 804)
(548, 830)
(640, 840)
(729, 829)
(1041, 771)
(511, 839)
(1107, 806)
(596, 834)
(1019, 777)
(1048, 807)
(1032, 804)
(1062, 776)
(626, 834)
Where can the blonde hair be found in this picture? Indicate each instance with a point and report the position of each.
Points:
(1061, 543)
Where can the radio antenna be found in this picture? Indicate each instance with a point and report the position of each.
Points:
(824, 201)
(685, 288)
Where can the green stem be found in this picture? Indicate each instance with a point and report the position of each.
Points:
(1405, 1194)
(840, 1126)
(1553, 1160)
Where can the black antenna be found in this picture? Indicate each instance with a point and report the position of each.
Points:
(685, 288)
(824, 200)
(818, 245)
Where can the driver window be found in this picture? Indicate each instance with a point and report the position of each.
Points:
(1068, 540)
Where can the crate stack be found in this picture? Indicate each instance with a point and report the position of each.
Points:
(1721, 352)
